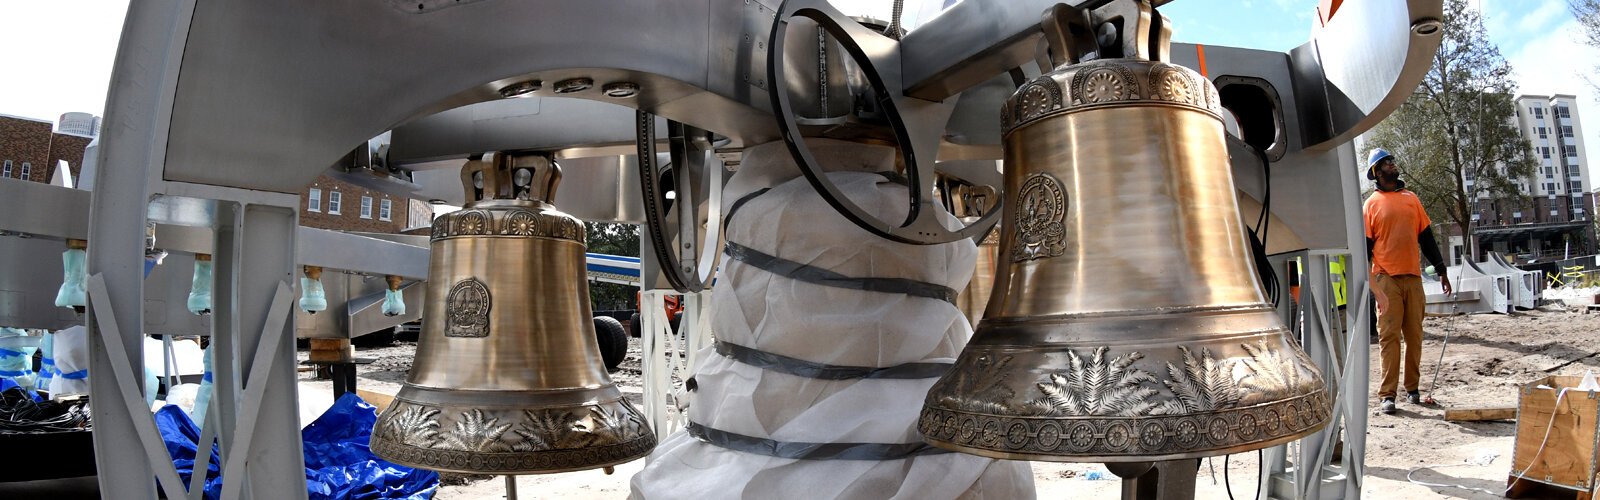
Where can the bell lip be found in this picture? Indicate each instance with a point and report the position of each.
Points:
(1321, 394)
(1000, 455)
(642, 448)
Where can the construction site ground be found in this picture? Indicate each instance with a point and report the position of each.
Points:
(1488, 358)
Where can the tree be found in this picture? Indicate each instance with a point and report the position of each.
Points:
(1588, 14)
(1458, 126)
(612, 239)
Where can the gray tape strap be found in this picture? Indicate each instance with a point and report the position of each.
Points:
(802, 368)
(809, 451)
(824, 277)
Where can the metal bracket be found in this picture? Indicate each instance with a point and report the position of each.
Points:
(917, 125)
(244, 435)
(697, 190)
(143, 423)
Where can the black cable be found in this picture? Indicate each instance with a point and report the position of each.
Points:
(1225, 483)
(1261, 471)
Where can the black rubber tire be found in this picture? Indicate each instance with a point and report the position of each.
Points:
(635, 327)
(613, 341)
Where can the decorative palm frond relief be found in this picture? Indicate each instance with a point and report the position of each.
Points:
(416, 426)
(1272, 375)
(474, 432)
(1204, 383)
(982, 387)
(1097, 387)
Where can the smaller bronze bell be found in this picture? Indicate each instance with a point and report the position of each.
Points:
(508, 378)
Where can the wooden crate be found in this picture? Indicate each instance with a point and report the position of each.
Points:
(1568, 458)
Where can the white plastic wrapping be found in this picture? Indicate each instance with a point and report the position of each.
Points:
(200, 289)
(16, 361)
(312, 298)
(74, 272)
(70, 349)
(757, 309)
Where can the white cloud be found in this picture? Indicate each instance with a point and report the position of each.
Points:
(1541, 17)
(57, 55)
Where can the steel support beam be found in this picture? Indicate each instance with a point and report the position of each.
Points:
(132, 145)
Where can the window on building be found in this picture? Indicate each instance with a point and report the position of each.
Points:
(27, 170)
(334, 201)
(1566, 131)
(6, 169)
(1571, 150)
(1563, 111)
(366, 207)
(386, 210)
(1545, 151)
(314, 200)
(1541, 132)
(1538, 112)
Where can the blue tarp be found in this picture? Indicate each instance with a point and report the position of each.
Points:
(338, 463)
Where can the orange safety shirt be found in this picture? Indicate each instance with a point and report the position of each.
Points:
(1393, 220)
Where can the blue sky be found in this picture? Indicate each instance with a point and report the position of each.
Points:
(1539, 37)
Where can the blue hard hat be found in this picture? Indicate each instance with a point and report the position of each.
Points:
(1377, 155)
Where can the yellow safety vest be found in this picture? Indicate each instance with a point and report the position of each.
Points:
(1336, 276)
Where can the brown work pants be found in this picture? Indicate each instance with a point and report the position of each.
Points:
(1401, 319)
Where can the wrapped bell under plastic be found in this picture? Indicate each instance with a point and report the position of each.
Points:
(508, 378)
(1127, 322)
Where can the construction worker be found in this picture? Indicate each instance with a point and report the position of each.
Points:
(1397, 230)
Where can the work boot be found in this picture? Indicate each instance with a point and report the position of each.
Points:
(1386, 406)
(1414, 397)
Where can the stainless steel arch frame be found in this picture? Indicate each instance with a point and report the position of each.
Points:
(245, 102)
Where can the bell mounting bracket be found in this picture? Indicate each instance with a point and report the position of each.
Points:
(918, 126)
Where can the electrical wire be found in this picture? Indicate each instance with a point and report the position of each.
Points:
(19, 413)
(1225, 482)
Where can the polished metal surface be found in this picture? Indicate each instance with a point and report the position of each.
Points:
(355, 307)
(29, 282)
(361, 253)
(40, 209)
(695, 62)
(1126, 323)
(508, 378)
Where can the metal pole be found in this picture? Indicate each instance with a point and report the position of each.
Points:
(276, 465)
(511, 487)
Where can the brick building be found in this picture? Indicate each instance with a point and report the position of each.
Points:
(32, 149)
(329, 203)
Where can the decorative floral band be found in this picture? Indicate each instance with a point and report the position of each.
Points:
(511, 440)
(1109, 82)
(1196, 434)
(507, 222)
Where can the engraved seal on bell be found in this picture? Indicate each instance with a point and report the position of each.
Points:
(467, 309)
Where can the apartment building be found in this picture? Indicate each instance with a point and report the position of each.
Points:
(1557, 221)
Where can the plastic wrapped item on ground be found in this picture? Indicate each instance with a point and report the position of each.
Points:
(16, 357)
(784, 406)
(71, 353)
(338, 463)
(202, 398)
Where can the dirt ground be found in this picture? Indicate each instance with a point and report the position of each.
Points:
(1489, 356)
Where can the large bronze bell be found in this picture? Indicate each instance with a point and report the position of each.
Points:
(1127, 322)
(508, 378)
